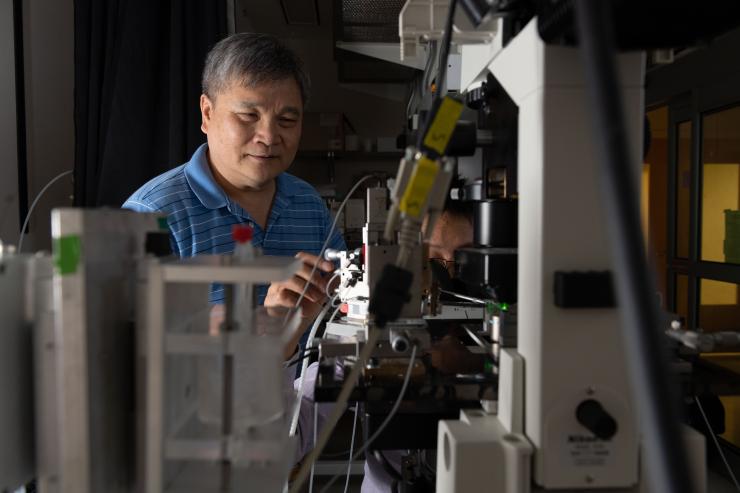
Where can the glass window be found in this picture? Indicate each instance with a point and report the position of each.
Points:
(683, 189)
(720, 198)
(682, 297)
(719, 306)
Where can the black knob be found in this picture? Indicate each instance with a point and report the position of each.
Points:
(475, 98)
(592, 415)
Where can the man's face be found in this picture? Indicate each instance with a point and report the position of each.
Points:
(449, 234)
(253, 132)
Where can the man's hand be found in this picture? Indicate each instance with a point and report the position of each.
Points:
(286, 293)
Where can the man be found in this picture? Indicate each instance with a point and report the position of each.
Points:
(254, 94)
(453, 230)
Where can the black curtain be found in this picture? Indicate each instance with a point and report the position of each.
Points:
(137, 83)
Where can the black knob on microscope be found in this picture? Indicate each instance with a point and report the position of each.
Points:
(475, 98)
(592, 415)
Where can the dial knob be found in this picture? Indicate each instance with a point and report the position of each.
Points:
(592, 415)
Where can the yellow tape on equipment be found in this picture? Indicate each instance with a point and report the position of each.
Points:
(443, 125)
(420, 184)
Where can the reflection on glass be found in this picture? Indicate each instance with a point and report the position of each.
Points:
(719, 306)
(683, 189)
(682, 296)
(720, 205)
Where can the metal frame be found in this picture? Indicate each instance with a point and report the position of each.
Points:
(692, 105)
(91, 382)
(17, 465)
(159, 442)
(696, 84)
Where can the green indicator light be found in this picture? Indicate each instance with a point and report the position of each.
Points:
(504, 307)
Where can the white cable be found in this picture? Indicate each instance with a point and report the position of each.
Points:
(331, 280)
(337, 410)
(351, 448)
(394, 409)
(716, 443)
(328, 239)
(304, 366)
(38, 196)
(464, 297)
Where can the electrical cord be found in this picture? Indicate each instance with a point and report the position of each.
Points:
(337, 410)
(716, 443)
(465, 297)
(351, 448)
(328, 239)
(306, 354)
(301, 379)
(384, 424)
(331, 280)
(35, 201)
(445, 51)
(666, 459)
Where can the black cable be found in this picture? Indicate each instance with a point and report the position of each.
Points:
(445, 51)
(667, 464)
(308, 352)
(20, 112)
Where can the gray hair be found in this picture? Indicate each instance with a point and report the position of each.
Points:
(252, 59)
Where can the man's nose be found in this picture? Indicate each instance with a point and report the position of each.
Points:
(267, 132)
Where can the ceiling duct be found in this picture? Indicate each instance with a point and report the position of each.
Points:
(300, 12)
(363, 21)
(370, 22)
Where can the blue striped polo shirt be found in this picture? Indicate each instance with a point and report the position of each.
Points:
(201, 214)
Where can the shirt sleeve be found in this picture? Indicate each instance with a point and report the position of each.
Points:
(136, 204)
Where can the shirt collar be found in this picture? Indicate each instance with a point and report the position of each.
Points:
(287, 185)
(201, 180)
(212, 196)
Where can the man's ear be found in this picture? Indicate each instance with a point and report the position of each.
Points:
(206, 111)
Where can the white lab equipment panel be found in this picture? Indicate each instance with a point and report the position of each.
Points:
(571, 355)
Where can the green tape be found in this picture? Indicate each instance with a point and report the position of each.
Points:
(162, 223)
(67, 252)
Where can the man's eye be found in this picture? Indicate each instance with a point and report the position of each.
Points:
(288, 121)
(248, 116)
